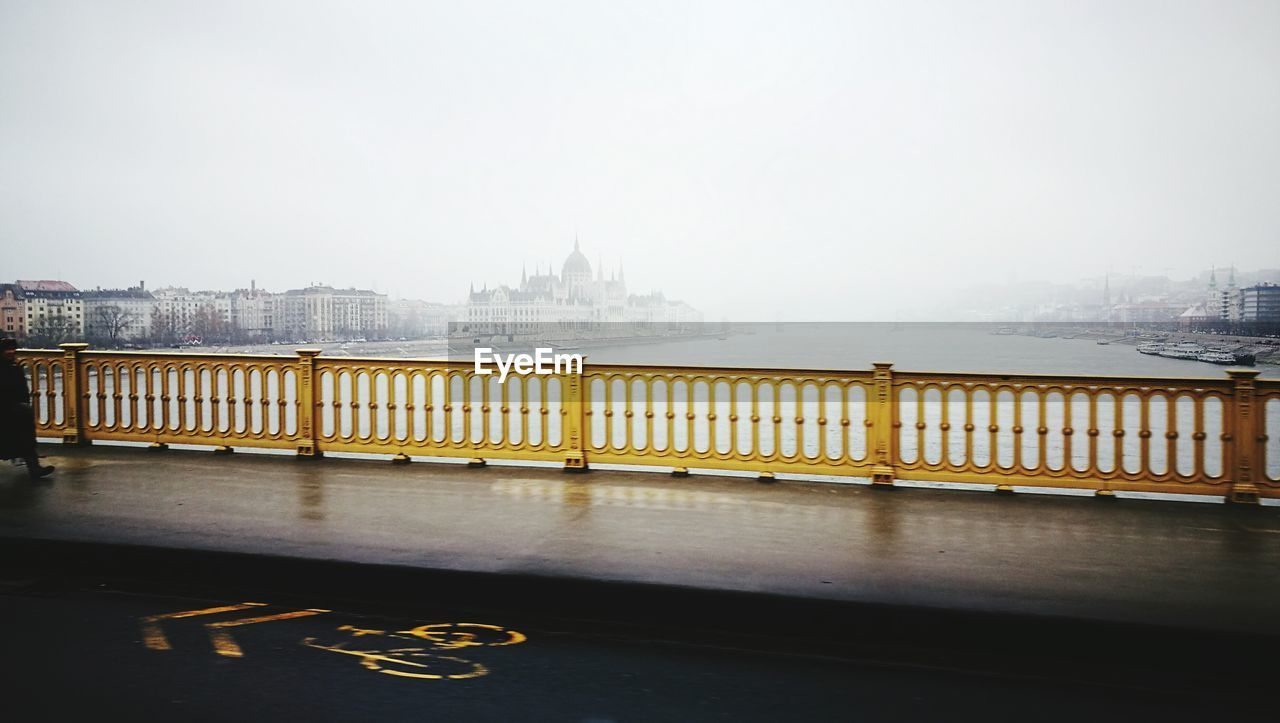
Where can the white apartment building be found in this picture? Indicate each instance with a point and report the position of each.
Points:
(320, 313)
(52, 307)
(177, 309)
(118, 314)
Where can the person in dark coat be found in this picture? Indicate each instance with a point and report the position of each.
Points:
(17, 418)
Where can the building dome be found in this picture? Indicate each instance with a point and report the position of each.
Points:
(576, 264)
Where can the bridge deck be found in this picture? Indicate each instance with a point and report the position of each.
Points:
(1186, 564)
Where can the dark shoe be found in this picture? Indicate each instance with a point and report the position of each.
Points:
(41, 472)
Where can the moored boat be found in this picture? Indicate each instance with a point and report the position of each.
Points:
(1217, 356)
(1183, 350)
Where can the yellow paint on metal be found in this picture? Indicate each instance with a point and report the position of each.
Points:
(868, 424)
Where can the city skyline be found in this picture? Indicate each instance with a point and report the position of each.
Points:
(1086, 289)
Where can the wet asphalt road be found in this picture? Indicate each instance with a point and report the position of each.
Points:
(1134, 561)
(382, 592)
(71, 653)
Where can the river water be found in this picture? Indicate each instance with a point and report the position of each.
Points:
(910, 347)
(847, 346)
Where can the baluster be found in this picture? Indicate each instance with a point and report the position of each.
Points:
(880, 419)
(574, 418)
(74, 397)
(308, 428)
(1244, 437)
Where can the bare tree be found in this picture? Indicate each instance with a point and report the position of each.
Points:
(49, 331)
(165, 327)
(208, 325)
(111, 321)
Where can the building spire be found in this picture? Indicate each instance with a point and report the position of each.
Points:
(575, 241)
(1106, 296)
(524, 279)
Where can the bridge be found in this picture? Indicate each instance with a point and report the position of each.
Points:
(847, 553)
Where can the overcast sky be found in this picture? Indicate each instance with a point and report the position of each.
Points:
(842, 160)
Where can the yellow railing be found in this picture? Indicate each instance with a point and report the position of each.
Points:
(1191, 436)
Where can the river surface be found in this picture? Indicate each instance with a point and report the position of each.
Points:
(910, 347)
(957, 348)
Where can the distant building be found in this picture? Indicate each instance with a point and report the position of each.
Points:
(1193, 317)
(1223, 304)
(319, 313)
(414, 318)
(1260, 303)
(249, 313)
(115, 315)
(241, 315)
(55, 311)
(571, 299)
(1106, 299)
(13, 311)
(52, 310)
(655, 308)
(182, 315)
(1146, 312)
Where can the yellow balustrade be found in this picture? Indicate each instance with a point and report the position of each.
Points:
(1192, 436)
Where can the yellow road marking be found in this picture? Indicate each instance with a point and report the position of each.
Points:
(358, 632)
(477, 670)
(153, 637)
(371, 659)
(368, 655)
(224, 644)
(449, 635)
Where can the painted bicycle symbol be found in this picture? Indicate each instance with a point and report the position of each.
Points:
(385, 652)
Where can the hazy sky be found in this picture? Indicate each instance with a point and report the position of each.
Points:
(819, 160)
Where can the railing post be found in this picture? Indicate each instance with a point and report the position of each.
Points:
(880, 431)
(308, 424)
(574, 419)
(1243, 437)
(74, 395)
